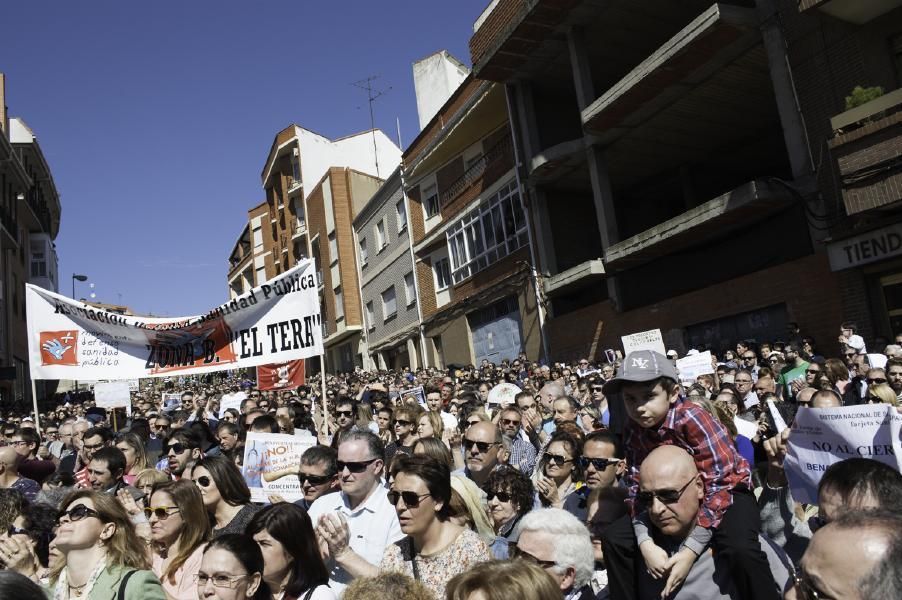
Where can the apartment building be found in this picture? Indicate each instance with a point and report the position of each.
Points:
(254, 256)
(388, 280)
(477, 298)
(671, 179)
(29, 224)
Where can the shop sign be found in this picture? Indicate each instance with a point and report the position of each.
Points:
(866, 248)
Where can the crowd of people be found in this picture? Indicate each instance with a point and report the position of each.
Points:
(596, 479)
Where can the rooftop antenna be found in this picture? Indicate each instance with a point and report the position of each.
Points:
(372, 94)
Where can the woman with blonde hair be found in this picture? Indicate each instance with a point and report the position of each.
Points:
(135, 456)
(435, 448)
(430, 425)
(179, 529)
(101, 552)
(881, 393)
(502, 580)
(146, 479)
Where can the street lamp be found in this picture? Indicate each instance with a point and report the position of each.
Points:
(78, 278)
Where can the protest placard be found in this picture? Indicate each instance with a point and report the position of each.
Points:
(227, 403)
(134, 385)
(690, 367)
(822, 436)
(275, 322)
(171, 401)
(271, 464)
(112, 394)
(417, 392)
(644, 340)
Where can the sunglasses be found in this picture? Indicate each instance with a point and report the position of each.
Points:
(558, 459)
(875, 380)
(344, 413)
(502, 496)
(812, 371)
(76, 513)
(411, 499)
(874, 399)
(203, 481)
(748, 358)
(160, 512)
(851, 355)
(597, 388)
(87, 446)
(13, 530)
(403, 423)
(510, 421)
(355, 466)
(600, 464)
(665, 496)
(518, 553)
(481, 446)
(177, 447)
(773, 361)
(315, 480)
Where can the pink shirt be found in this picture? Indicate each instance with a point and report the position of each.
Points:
(185, 586)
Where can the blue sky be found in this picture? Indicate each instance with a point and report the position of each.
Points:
(156, 118)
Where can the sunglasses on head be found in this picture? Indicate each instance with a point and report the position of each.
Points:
(177, 447)
(355, 466)
(76, 513)
(600, 464)
(481, 446)
(665, 496)
(411, 499)
(502, 496)
(160, 512)
(315, 480)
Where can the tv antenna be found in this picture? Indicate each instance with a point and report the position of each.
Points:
(372, 94)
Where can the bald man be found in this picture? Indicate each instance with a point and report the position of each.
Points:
(481, 444)
(673, 490)
(10, 478)
(825, 399)
(550, 392)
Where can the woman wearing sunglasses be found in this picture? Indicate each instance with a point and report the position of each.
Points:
(509, 495)
(178, 528)
(104, 558)
(405, 426)
(558, 472)
(294, 568)
(435, 548)
(225, 494)
(232, 569)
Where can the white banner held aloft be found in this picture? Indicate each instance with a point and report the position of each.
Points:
(643, 340)
(416, 392)
(113, 394)
(690, 367)
(271, 464)
(275, 322)
(823, 436)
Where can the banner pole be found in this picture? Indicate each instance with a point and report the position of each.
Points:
(322, 380)
(34, 399)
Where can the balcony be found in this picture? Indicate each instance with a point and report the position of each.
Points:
(496, 161)
(10, 228)
(858, 12)
(298, 228)
(867, 146)
(293, 185)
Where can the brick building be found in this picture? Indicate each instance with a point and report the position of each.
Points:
(671, 182)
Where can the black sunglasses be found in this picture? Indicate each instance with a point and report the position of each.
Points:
(355, 467)
(411, 499)
(315, 480)
(510, 421)
(812, 371)
(875, 380)
(177, 447)
(502, 496)
(344, 413)
(403, 423)
(203, 481)
(160, 512)
(518, 553)
(665, 496)
(600, 464)
(77, 513)
(558, 459)
(481, 446)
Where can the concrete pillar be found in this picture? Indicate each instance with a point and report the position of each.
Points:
(579, 61)
(412, 354)
(605, 213)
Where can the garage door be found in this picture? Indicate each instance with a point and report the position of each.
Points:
(496, 331)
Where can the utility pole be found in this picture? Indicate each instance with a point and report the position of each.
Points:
(372, 94)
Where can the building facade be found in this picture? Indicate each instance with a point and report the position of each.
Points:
(670, 180)
(387, 279)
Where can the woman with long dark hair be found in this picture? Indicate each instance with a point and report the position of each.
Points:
(232, 569)
(294, 568)
(225, 493)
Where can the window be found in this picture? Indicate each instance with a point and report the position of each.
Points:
(442, 271)
(370, 316)
(389, 303)
(38, 261)
(409, 289)
(363, 253)
(339, 304)
(261, 275)
(333, 249)
(258, 238)
(487, 234)
(381, 240)
(401, 213)
(430, 200)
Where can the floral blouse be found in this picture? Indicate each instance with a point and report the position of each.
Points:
(436, 570)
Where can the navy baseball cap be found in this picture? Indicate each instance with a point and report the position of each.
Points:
(641, 366)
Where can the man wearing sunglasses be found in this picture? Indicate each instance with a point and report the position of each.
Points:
(318, 474)
(358, 524)
(602, 465)
(522, 452)
(671, 491)
(481, 443)
(181, 452)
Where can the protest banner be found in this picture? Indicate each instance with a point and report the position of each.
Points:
(690, 367)
(228, 403)
(271, 463)
(275, 322)
(503, 394)
(134, 385)
(281, 376)
(644, 340)
(112, 394)
(822, 436)
(417, 392)
(171, 401)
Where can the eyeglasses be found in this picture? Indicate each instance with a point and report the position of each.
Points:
(600, 464)
(344, 413)
(52, 434)
(403, 423)
(220, 581)
(160, 512)
(411, 499)
(315, 480)
(177, 447)
(355, 467)
(76, 513)
(743, 381)
(24, 443)
(203, 481)
(869, 380)
(557, 459)
(875, 399)
(545, 564)
(510, 421)
(481, 446)
(773, 361)
(665, 496)
(502, 496)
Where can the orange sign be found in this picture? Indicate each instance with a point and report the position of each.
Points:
(59, 347)
(281, 376)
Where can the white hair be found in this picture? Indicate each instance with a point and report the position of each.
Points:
(572, 544)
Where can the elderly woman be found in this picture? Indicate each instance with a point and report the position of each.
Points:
(510, 495)
(435, 549)
(179, 529)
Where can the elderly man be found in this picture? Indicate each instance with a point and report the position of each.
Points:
(10, 478)
(359, 523)
(559, 543)
(672, 489)
(550, 392)
(856, 557)
(482, 443)
(522, 452)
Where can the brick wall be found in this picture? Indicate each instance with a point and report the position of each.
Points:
(426, 288)
(316, 223)
(436, 126)
(866, 148)
(347, 249)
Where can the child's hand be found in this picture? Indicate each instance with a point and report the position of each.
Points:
(679, 565)
(655, 559)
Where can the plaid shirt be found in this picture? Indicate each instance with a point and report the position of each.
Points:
(523, 455)
(691, 427)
